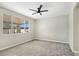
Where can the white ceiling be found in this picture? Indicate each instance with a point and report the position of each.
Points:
(54, 8)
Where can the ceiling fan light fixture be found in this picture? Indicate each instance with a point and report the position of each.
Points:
(39, 10)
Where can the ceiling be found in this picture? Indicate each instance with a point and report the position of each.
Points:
(54, 8)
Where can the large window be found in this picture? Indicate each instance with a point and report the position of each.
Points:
(14, 25)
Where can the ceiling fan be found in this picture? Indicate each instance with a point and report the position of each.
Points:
(38, 10)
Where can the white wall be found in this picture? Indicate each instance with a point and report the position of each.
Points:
(71, 28)
(76, 30)
(8, 40)
(53, 29)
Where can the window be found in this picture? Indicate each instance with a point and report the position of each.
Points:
(14, 25)
(6, 24)
(24, 27)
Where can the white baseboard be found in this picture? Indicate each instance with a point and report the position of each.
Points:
(76, 52)
(53, 41)
(10, 46)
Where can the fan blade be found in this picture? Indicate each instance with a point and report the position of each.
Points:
(33, 10)
(40, 7)
(33, 13)
(44, 11)
(40, 13)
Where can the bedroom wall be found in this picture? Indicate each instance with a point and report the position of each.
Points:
(76, 30)
(71, 26)
(9, 40)
(53, 29)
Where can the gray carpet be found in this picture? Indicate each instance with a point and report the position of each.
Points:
(39, 48)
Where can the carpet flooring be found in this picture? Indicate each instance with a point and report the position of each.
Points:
(39, 48)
